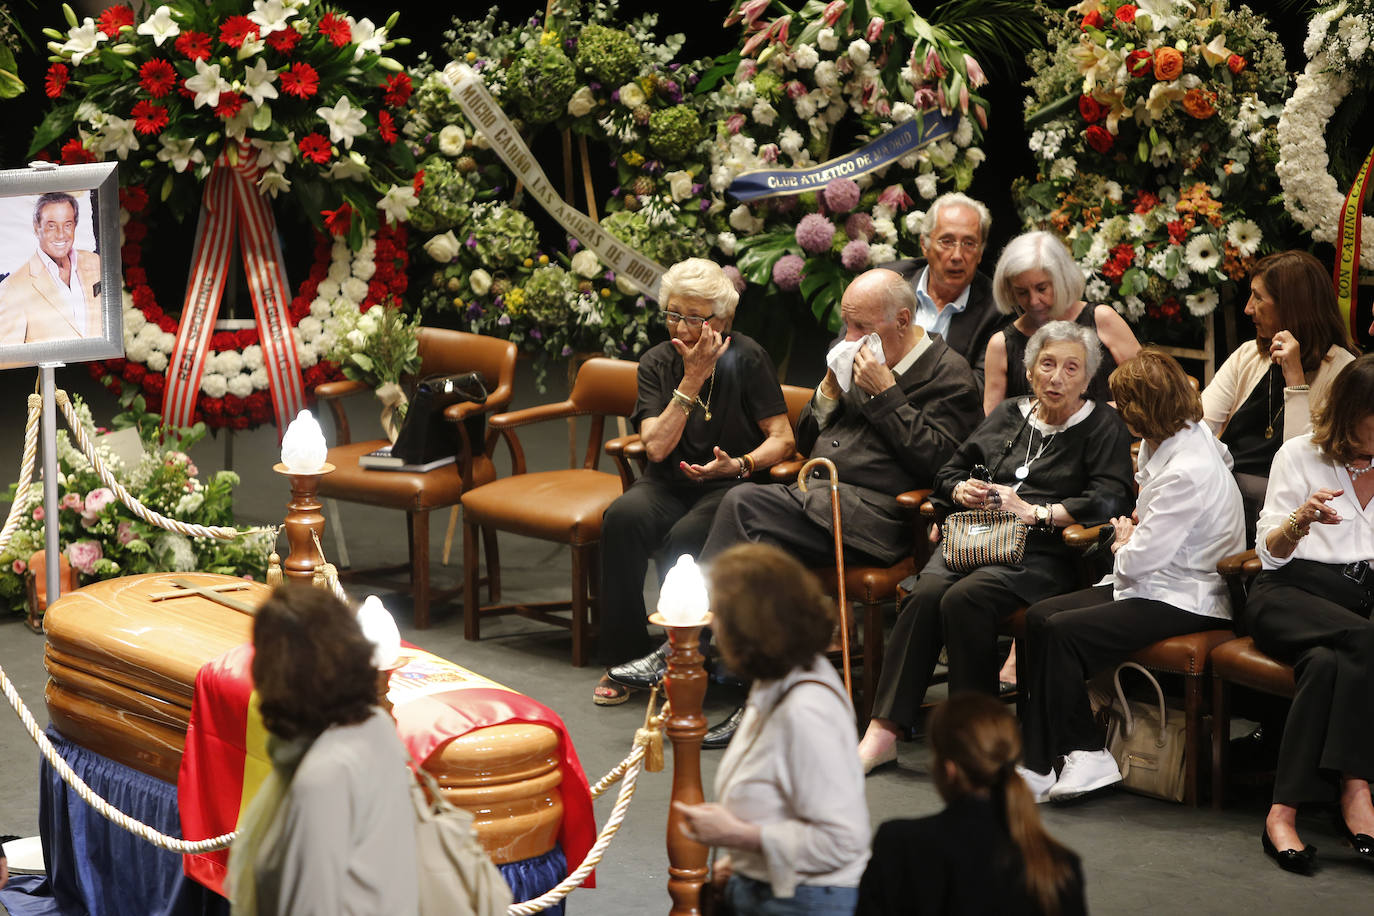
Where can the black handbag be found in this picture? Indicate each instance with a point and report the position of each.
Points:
(426, 435)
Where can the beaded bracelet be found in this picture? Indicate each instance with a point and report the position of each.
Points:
(1292, 530)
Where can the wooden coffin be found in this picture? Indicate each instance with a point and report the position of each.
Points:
(121, 673)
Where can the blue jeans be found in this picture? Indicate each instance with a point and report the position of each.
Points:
(755, 898)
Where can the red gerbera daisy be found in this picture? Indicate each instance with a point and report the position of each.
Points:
(316, 148)
(338, 221)
(157, 77)
(398, 88)
(56, 80)
(336, 29)
(73, 153)
(114, 19)
(237, 28)
(195, 45)
(418, 182)
(149, 119)
(300, 80)
(386, 126)
(284, 41)
(230, 103)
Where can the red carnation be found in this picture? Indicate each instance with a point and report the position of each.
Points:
(338, 221)
(386, 127)
(1099, 138)
(238, 421)
(1145, 202)
(236, 30)
(56, 80)
(132, 255)
(1178, 232)
(1091, 109)
(154, 383)
(1170, 308)
(230, 103)
(134, 373)
(195, 45)
(284, 41)
(336, 29)
(300, 80)
(376, 292)
(133, 198)
(157, 77)
(398, 89)
(135, 276)
(1092, 20)
(1126, 12)
(135, 231)
(1235, 63)
(1140, 63)
(114, 19)
(316, 148)
(73, 153)
(149, 118)
(143, 297)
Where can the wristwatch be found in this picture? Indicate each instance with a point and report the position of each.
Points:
(1042, 516)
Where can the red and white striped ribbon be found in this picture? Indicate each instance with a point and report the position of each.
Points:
(231, 202)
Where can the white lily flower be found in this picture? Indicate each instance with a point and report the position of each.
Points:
(397, 203)
(257, 82)
(82, 40)
(352, 167)
(270, 15)
(179, 152)
(207, 84)
(118, 135)
(273, 182)
(160, 26)
(345, 122)
(275, 154)
(250, 47)
(368, 37)
(237, 126)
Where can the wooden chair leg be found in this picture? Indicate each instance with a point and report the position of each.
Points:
(419, 566)
(1221, 739)
(449, 532)
(873, 657)
(580, 649)
(489, 545)
(472, 609)
(1192, 740)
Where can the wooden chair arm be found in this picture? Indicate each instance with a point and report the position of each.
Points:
(537, 414)
(786, 471)
(623, 450)
(327, 390)
(915, 501)
(1082, 538)
(456, 413)
(1240, 564)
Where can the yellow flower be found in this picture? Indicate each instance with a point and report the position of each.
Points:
(529, 262)
(458, 302)
(633, 159)
(1094, 62)
(548, 38)
(605, 293)
(1162, 98)
(471, 56)
(1215, 51)
(515, 301)
(543, 259)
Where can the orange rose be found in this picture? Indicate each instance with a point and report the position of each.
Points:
(1168, 63)
(1198, 103)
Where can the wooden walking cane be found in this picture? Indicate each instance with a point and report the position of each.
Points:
(839, 556)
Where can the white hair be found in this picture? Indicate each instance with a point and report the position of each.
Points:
(1037, 251)
(698, 278)
(1066, 332)
(953, 199)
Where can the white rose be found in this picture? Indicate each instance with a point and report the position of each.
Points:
(364, 268)
(805, 57)
(443, 248)
(451, 140)
(213, 384)
(623, 284)
(826, 40)
(582, 102)
(764, 113)
(679, 184)
(585, 264)
(726, 243)
(156, 362)
(252, 357)
(858, 52)
(744, 221)
(354, 290)
(367, 323)
(240, 386)
(480, 281)
(356, 339)
(631, 96)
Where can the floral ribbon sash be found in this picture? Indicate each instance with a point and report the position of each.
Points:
(1348, 246)
(232, 205)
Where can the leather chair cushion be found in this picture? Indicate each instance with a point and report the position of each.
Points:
(396, 489)
(868, 584)
(1183, 654)
(563, 506)
(1239, 662)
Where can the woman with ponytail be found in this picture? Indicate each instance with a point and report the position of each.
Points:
(987, 852)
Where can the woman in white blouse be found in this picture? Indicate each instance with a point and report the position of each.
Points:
(1310, 608)
(1164, 581)
(791, 808)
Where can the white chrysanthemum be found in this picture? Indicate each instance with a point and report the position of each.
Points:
(252, 357)
(354, 290)
(240, 386)
(364, 268)
(308, 355)
(883, 228)
(133, 321)
(790, 142)
(259, 376)
(1202, 254)
(156, 361)
(1063, 169)
(213, 384)
(1097, 290)
(166, 340)
(805, 57)
(1135, 308)
(338, 271)
(1245, 235)
(328, 289)
(926, 185)
(321, 308)
(137, 351)
(228, 362)
(963, 134)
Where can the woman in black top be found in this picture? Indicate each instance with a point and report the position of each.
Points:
(1038, 281)
(1052, 460)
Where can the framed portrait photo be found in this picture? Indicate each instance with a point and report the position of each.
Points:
(61, 286)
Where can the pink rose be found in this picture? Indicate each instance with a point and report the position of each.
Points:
(98, 499)
(19, 566)
(71, 501)
(125, 533)
(38, 513)
(83, 555)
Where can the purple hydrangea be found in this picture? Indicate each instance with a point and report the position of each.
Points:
(855, 255)
(859, 226)
(815, 233)
(736, 278)
(787, 272)
(574, 244)
(842, 195)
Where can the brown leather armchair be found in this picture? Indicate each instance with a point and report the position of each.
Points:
(563, 506)
(441, 352)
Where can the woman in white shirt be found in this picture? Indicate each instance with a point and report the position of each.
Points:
(1310, 608)
(791, 804)
(1164, 581)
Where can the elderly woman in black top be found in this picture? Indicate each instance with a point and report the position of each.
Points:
(1051, 460)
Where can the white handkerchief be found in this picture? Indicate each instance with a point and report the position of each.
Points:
(840, 359)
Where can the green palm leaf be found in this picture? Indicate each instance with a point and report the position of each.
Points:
(998, 33)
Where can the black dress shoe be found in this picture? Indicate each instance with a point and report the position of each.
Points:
(1299, 862)
(718, 736)
(1362, 843)
(645, 672)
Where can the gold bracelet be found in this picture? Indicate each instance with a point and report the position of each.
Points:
(746, 461)
(685, 403)
(1292, 530)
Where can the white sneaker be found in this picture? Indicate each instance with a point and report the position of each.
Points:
(1038, 783)
(1084, 772)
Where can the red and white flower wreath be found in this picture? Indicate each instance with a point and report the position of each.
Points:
(233, 391)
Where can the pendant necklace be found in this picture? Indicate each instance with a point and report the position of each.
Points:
(706, 405)
(1023, 471)
(1273, 414)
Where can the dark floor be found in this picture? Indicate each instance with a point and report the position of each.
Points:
(1140, 856)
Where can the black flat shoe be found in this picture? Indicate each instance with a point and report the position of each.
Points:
(645, 672)
(1362, 843)
(718, 736)
(1299, 862)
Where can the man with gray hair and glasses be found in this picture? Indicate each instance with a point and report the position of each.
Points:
(953, 299)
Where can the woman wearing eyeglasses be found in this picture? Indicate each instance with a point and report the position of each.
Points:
(1038, 281)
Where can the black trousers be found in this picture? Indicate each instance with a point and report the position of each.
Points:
(774, 514)
(961, 613)
(652, 519)
(1069, 638)
(1292, 616)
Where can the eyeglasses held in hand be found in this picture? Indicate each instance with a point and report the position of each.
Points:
(692, 321)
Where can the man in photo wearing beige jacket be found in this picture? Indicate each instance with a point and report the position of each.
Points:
(55, 295)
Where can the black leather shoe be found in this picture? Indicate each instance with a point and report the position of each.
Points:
(645, 672)
(1299, 862)
(1362, 843)
(718, 736)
